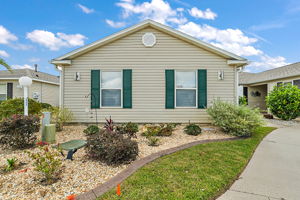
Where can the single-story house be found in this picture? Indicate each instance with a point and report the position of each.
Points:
(44, 88)
(147, 73)
(256, 86)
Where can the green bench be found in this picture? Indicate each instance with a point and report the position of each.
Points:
(71, 146)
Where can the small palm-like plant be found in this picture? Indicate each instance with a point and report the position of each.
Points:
(11, 164)
(3, 63)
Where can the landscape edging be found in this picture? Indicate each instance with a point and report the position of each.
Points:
(134, 166)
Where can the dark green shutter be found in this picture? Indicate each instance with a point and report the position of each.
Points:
(95, 89)
(170, 89)
(127, 88)
(202, 88)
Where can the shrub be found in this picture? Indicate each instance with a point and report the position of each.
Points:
(234, 119)
(111, 148)
(46, 106)
(151, 130)
(16, 106)
(153, 141)
(166, 130)
(47, 161)
(192, 129)
(18, 131)
(284, 102)
(91, 130)
(130, 129)
(161, 130)
(242, 100)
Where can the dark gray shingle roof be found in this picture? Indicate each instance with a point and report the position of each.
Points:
(272, 74)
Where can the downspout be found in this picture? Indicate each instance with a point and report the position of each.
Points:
(237, 85)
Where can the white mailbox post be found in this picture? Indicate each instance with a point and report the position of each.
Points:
(25, 82)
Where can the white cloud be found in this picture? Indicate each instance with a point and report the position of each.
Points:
(233, 40)
(6, 36)
(157, 10)
(85, 9)
(3, 54)
(115, 24)
(26, 66)
(34, 59)
(55, 41)
(207, 14)
(265, 63)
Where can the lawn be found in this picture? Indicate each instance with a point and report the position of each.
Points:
(201, 172)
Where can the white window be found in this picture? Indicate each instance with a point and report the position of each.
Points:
(3, 94)
(186, 89)
(297, 83)
(111, 88)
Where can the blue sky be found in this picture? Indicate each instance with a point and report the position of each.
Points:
(35, 31)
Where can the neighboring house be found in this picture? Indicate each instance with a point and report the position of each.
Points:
(44, 88)
(256, 86)
(148, 73)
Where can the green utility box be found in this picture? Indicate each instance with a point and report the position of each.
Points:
(49, 133)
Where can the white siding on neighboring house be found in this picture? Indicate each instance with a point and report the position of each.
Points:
(148, 78)
(49, 93)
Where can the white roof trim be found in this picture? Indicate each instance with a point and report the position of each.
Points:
(139, 26)
(38, 80)
(61, 62)
(238, 62)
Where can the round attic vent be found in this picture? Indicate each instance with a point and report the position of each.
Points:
(149, 39)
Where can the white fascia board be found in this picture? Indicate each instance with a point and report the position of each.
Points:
(238, 62)
(61, 62)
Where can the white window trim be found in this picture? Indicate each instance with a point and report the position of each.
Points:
(121, 106)
(5, 90)
(196, 88)
(294, 80)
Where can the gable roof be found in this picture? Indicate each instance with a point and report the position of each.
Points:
(36, 76)
(65, 59)
(272, 74)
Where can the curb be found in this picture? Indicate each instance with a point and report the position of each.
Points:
(133, 167)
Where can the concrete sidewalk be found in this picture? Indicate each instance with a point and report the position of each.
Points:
(274, 170)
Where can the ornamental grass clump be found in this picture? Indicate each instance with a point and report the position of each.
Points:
(234, 119)
(18, 131)
(284, 102)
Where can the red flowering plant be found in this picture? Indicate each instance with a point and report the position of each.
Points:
(42, 143)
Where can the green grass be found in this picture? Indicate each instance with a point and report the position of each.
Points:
(201, 172)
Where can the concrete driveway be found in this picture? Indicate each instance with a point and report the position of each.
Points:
(273, 172)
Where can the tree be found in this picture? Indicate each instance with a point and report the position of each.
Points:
(3, 63)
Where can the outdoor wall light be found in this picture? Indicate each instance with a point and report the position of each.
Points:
(221, 75)
(77, 76)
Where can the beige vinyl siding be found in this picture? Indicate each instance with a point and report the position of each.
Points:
(148, 74)
(50, 94)
(17, 92)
